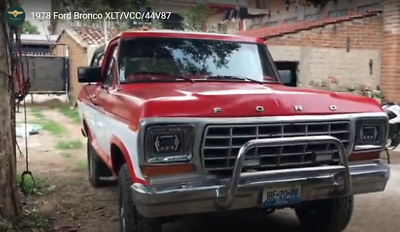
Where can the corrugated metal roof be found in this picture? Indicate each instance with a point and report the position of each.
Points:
(39, 39)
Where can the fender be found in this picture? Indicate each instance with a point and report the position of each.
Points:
(121, 146)
(103, 156)
(85, 129)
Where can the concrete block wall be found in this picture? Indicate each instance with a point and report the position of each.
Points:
(322, 52)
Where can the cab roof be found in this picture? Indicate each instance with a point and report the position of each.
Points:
(188, 35)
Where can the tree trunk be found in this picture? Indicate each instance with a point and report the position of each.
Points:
(10, 204)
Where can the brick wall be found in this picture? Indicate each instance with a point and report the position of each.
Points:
(322, 53)
(390, 80)
(364, 33)
(279, 12)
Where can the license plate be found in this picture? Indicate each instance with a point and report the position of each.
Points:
(284, 195)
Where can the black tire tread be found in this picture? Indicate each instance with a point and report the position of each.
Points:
(134, 221)
(99, 168)
(335, 214)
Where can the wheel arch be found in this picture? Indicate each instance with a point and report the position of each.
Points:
(120, 156)
(85, 129)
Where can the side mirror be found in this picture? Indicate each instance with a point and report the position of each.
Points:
(287, 77)
(89, 74)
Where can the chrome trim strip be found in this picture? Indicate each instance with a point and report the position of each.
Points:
(367, 147)
(169, 159)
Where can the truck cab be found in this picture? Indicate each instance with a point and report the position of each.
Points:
(190, 123)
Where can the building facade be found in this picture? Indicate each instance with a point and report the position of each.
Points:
(217, 9)
(355, 43)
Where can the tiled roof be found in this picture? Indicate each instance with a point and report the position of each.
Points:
(296, 27)
(92, 36)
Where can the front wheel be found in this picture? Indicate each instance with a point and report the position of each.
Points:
(130, 218)
(329, 215)
(96, 168)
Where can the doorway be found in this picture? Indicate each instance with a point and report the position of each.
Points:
(288, 72)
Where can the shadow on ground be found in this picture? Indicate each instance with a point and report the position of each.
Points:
(281, 221)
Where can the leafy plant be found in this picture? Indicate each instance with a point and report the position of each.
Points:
(196, 17)
(28, 28)
(156, 24)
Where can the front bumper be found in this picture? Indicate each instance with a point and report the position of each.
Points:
(243, 190)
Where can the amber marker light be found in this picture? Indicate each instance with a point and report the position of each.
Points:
(160, 170)
(364, 156)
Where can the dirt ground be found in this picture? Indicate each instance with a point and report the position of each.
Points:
(64, 200)
(57, 159)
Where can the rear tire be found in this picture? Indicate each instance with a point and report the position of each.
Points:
(130, 218)
(330, 215)
(96, 168)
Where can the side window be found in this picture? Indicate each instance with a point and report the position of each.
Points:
(100, 59)
(108, 80)
(94, 59)
(97, 59)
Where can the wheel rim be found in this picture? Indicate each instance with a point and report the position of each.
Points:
(90, 166)
(122, 215)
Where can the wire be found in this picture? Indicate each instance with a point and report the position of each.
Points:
(24, 87)
(18, 76)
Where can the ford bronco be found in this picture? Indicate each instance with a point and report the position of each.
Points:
(191, 123)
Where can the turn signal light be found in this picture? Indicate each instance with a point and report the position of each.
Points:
(364, 156)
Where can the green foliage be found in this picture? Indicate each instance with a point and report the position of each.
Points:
(99, 6)
(195, 18)
(156, 24)
(15, 3)
(122, 27)
(28, 28)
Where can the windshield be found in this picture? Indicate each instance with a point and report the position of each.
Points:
(196, 59)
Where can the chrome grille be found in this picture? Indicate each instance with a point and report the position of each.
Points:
(221, 144)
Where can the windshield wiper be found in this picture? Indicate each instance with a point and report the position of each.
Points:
(165, 74)
(233, 77)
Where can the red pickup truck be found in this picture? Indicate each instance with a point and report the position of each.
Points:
(194, 123)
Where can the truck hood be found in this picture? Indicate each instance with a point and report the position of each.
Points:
(239, 100)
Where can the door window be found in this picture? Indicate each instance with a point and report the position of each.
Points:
(110, 68)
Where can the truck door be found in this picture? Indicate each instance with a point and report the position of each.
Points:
(104, 119)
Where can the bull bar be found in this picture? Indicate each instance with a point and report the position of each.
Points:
(243, 190)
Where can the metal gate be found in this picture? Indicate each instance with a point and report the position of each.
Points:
(48, 73)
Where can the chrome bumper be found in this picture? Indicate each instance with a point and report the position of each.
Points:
(243, 190)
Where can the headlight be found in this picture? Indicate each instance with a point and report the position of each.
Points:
(169, 144)
(370, 134)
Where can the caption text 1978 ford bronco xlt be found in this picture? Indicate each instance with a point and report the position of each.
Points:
(193, 123)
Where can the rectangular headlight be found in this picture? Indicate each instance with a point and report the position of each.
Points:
(169, 144)
(370, 134)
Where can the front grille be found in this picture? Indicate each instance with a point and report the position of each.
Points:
(221, 144)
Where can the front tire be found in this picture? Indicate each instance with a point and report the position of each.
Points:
(96, 168)
(130, 218)
(329, 215)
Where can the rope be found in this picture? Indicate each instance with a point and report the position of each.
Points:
(18, 75)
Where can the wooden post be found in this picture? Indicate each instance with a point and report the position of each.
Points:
(10, 204)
